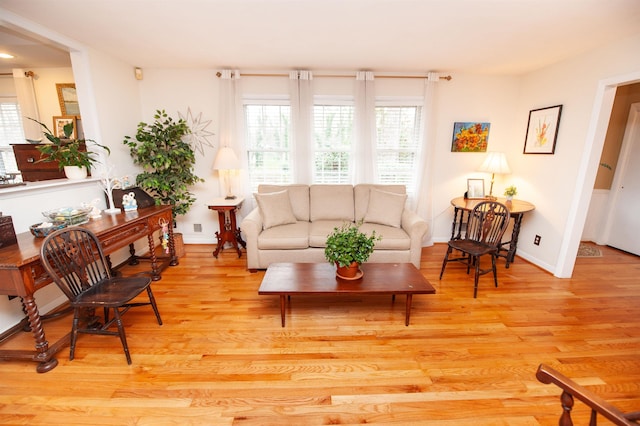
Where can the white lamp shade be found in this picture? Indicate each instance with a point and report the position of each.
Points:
(496, 162)
(226, 159)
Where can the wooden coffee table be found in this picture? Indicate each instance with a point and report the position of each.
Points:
(287, 279)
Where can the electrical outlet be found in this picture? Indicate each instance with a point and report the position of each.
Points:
(197, 227)
(536, 240)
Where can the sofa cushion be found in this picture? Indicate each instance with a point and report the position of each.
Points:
(361, 194)
(331, 202)
(285, 237)
(392, 238)
(385, 208)
(320, 230)
(275, 208)
(298, 195)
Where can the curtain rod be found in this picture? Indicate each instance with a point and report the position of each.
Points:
(444, 77)
(26, 74)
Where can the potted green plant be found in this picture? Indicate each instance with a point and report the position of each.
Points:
(510, 191)
(70, 153)
(348, 248)
(167, 161)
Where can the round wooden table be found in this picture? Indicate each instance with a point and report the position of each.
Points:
(517, 208)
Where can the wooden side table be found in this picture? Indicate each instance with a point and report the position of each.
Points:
(517, 208)
(229, 231)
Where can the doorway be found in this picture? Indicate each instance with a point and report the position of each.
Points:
(623, 224)
(582, 197)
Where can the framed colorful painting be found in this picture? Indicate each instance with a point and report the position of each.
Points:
(470, 137)
(542, 130)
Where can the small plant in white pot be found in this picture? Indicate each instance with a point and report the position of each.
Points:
(71, 154)
(510, 191)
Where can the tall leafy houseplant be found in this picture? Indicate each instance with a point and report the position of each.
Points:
(67, 151)
(167, 161)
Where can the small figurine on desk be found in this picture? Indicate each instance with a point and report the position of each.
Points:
(129, 202)
(126, 183)
(95, 211)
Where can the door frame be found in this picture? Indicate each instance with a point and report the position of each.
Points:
(596, 132)
(631, 128)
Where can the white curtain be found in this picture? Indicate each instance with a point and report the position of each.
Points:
(26, 94)
(424, 194)
(231, 131)
(301, 94)
(365, 129)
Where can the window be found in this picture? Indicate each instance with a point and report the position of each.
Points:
(10, 132)
(271, 153)
(333, 143)
(268, 132)
(398, 143)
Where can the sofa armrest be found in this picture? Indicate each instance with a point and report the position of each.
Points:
(415, 227)
(251, 227)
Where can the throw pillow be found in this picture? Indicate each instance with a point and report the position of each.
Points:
(275, 208)
(385, 208)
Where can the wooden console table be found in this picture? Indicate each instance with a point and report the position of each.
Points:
(21, 272)
(517, 208)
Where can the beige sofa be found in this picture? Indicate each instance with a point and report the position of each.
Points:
(291, 222)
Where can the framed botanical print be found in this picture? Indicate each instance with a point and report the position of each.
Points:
(542, 130)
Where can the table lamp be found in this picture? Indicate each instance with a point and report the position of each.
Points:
(225, 162)
(496, 162)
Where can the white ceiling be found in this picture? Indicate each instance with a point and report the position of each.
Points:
(479, 36)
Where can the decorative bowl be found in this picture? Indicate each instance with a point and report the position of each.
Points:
(43, 229)
(70, 215)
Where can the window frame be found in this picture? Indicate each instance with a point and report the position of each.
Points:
(8, 163)
(339, 101)
(275, 100)
(402, 102)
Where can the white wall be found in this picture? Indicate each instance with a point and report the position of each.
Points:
(45, 87)
(177, 91)
(471, 98)
(560, 185)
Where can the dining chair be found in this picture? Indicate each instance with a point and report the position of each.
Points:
(485, 227)
(74, 259)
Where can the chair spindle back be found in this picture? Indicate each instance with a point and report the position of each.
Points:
(487, 223)
(73, 258)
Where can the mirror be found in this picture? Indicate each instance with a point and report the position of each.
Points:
(68, 99)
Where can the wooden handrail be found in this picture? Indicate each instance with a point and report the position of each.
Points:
(571, 389)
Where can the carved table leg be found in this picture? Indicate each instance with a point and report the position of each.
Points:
(513, 244)
(47, 362)
(133, 259)
(172, 247)
(155, 270)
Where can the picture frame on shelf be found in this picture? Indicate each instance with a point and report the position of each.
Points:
(68, 98)
(475, 189)
(59, 121)
(542, 130)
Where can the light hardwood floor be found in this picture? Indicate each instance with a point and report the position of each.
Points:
(222, 358)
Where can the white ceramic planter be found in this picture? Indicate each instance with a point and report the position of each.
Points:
(75, 172)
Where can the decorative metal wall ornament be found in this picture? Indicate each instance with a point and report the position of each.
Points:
(199, 135)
